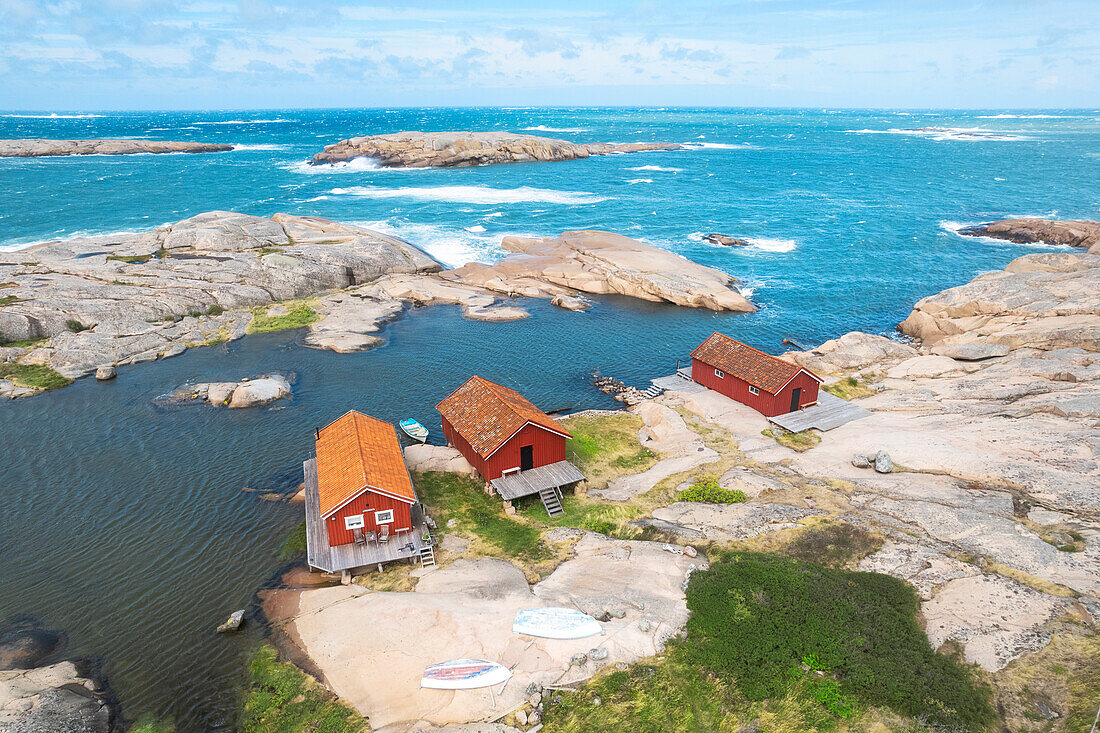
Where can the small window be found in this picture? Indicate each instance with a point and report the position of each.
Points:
(355, 521)
(383, 517)
(753, 390)
(718, 373)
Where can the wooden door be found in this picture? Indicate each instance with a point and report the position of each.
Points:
(796, 396)
(527, 458)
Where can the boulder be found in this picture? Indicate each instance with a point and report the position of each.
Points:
(259, 392)
(725, 240)
(598, 654)
(461, 149)
(105, 372)
(51, 699)
(579, 659)
(233, 623)
(421, 457)
(851, 352)
(883, 464)
(571, 302)
(859, 460)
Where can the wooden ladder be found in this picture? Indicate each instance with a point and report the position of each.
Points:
(427, 556)
(551, 502)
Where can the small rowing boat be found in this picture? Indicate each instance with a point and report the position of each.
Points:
(555, 623)
(414, 430)
(464, 674)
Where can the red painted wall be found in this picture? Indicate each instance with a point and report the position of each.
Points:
(367, 504)
(765, 403)
(548, 448)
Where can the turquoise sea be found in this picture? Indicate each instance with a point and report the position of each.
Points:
(125, 523)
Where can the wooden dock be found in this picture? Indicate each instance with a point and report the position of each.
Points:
(524, 483)
(354, 555)
(829, 412)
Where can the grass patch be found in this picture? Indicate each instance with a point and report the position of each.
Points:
(606, 446)
(23, 343)
(479, 516)
(33, 376)
(124, 282)
(706, 489)
(294, 544)
(282, 699)
(75, 326)
(834, 544)
(849, 389)
(762, 629)
(1043, 586)
(8, 285)
(9, 299)
(800, 442)
(130, 259)
(1064, 676)
(299, 314)
(268, 251)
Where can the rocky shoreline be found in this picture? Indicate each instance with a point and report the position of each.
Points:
(91, 304)
(42, 148)
(461, 149)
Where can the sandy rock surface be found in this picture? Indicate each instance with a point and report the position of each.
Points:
(466, 610)
(40, 148)
(424, 457)
(1027, 231)
(852, 352)
(602, 263)
(459, 149)
(1044, 301)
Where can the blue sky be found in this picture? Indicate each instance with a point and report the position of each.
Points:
(203, 54)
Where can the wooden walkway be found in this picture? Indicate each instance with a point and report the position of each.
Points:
(829, 412)
(525, 483)
(678, 383)
(344, 557)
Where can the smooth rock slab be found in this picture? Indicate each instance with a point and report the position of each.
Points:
(970, 351)
(994, 618)
(728, 522)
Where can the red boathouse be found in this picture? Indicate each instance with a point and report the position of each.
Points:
(361, 508)
(766, 383)
(515, 446)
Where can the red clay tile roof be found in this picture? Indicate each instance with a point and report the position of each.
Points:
(761, 370)
(357, 452)
(487, 414)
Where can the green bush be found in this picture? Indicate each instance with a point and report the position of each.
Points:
(593, 524)
(706, 489)
(75, 326)
(215, 310)
(757, 617)
(835, 544)
(9, 299)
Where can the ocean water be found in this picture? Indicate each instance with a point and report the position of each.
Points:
(125, 523)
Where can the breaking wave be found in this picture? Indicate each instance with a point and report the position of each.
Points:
(655, 168)
(472, 194)
(544, 128)
(53, 116)
(940, 134)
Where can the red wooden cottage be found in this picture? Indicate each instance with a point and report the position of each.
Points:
(515, 446)
(361, 508)
(766, 383)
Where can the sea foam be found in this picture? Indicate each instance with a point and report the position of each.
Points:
(544, 128)
(659, 168)
(472, 194)
(940, 134)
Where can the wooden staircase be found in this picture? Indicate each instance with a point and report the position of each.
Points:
(427, 556)
(552, 502)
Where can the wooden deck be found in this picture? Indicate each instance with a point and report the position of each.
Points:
(829, 412)
(525, 483)
(679, 382)
(344, 557)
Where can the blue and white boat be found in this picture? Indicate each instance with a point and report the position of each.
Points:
(555, 623)
(414, 430)
(464, 674)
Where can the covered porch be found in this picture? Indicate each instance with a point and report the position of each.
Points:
(546, 481)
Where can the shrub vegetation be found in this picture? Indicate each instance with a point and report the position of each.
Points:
(706, 489)
(800, 442)
(849, 389)
(775, 644)
(835, 544)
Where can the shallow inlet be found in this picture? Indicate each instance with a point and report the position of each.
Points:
(125, 523)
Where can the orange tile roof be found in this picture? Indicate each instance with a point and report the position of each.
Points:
(487, 414)
(358, 452)
(764, 371)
